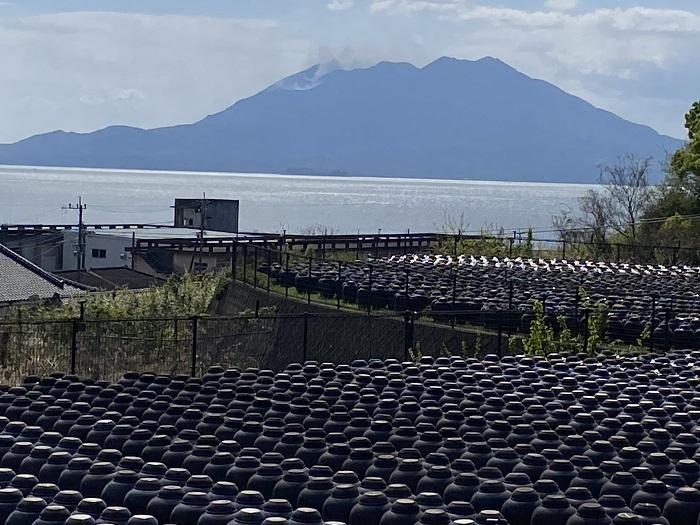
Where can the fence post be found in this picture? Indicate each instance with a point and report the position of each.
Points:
(339, 286)
(585, 332)
(234, 260)
(499, 313)
(255, 267)
(308, 285)
(286, 270)
(73, 345)
(618, 253)
(245, 261)
(269, 268)
(195, 330)
(369, 300)
(408, 334)
(675, 252)
(653, 318)
(306, 337)
(454, 296)
(454, 289)
(407, 272)
(510, 294)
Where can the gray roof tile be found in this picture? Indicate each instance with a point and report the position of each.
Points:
(21, 280)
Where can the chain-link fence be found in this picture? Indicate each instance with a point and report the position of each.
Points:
(582, 306)
(106, 349)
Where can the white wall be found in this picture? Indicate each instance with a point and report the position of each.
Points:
(114, 246)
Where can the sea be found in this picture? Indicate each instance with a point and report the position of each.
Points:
(291, 203)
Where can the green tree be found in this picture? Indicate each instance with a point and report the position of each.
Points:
(627, 209)
(685, 162)
(674, 216)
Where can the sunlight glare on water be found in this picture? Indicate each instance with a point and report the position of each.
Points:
(271, 203)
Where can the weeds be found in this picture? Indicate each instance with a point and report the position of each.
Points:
(478, 350)
(415, 353)
(566, 339)
(541, 339)
(181, 296)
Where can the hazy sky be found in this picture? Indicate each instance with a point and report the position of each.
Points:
(80, 65)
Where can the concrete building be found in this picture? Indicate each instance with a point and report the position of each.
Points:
(43, 248)
(210, 214)
(55, 247)
(140, 250)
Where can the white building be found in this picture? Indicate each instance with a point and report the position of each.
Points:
(106, 248)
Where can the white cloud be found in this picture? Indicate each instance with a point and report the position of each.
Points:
(82, 71)
(561, 5)
(85, 70)
(413, 6)
(340, 5)
(126, 94)
(608, 56)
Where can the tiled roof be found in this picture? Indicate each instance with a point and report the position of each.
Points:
(22, 280)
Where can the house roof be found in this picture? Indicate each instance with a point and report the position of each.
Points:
(22, 280)
(111, 278)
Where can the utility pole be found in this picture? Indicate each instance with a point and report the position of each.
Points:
(202, 219)
(81, 234)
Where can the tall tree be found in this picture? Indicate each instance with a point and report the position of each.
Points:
(674, 217)
(686, 161)
(618, 205)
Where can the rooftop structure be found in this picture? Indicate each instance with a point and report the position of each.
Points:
(208, 214)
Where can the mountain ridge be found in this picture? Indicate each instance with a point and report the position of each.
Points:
(452, 118)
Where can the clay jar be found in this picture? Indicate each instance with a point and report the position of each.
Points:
(340, 503)
(402, 512)
(555, 510)
(684, 507)
(590, 514)
(518, 509)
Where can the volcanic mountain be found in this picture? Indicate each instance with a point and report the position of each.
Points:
(456, 119)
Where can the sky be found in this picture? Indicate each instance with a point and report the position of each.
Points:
(81, 65)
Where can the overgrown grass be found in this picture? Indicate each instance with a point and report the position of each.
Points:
(181, 296)
(119, 330)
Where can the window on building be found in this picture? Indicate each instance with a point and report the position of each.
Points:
(99, 254)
